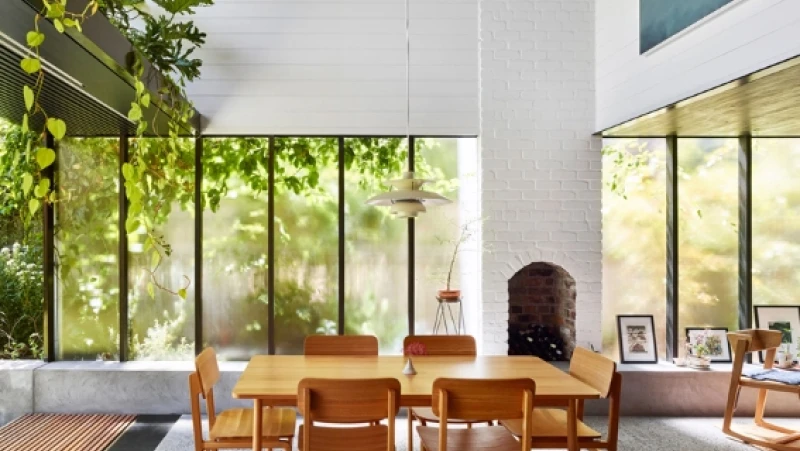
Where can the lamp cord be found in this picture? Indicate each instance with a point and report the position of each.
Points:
(408, 77)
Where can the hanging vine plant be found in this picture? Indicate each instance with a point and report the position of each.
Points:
(155, 173)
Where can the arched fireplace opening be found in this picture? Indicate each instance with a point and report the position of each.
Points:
(541, 300)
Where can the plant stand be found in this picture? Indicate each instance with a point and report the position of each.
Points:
(444, 314)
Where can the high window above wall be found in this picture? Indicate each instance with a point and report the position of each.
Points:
(283, 247)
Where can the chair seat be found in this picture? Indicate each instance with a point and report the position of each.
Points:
(550, 423)
(238, 423)
(361, 438)
(426, 414)
(490, 438)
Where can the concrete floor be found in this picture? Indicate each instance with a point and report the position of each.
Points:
(636, 434)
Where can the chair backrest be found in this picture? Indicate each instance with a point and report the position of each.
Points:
(746, 341)
(444, 345)
(353, 345)
(348, 400)
(593, 369)
(484, 400)
(758, 339)
(207, 372)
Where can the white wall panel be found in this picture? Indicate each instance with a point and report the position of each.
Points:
(338, 67)
(742, 38)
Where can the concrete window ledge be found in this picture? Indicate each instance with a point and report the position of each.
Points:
(161, 388)
(105, 387)
(16, 388)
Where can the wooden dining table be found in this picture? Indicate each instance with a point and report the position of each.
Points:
(272, 380)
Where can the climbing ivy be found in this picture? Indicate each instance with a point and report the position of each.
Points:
(160, 57)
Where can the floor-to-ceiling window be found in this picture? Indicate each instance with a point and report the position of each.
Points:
(330, 255)
(306, 240)
(710, 179)
(161, 285)
(776, 220)
(444, 234)
(634, 230)
(235, 246)
(87, 242)
(376, 244)
(22, 325)
(708, 230)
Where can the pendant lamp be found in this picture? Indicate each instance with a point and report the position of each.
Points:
(407, 199)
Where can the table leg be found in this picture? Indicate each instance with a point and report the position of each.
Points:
(258, 413)
(572, 425)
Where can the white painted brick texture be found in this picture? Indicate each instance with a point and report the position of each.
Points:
(540, 164)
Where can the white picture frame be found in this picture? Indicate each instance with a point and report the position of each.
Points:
(637, 339)
(780, 317)
(721, 352)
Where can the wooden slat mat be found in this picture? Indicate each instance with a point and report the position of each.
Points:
(57, 432)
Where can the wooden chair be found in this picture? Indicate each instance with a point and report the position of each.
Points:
(232, 428)
(481, 400)
(348, 401)
(762, 433)
(440, 345)
(550, 425)
(341, 345)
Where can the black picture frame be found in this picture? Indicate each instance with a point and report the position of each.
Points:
(646, 320)
(793, 316)
(729, 359)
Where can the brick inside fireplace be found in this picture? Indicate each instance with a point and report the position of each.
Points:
(542, 299)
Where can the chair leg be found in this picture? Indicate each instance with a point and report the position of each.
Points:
(761, 404)
(410, 430)
(730, 407)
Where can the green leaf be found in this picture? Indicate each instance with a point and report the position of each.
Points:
(68, 22)
(135, 113)
(25, 126)
(145, 100)
(34, 38)
(42, 188)
(131, 225)
(55, 10)
(57, 128)
(182, 293)
(33, 206)
(27, 182)
(30, 65)
(45, 157)
(151, 290)
(27, 92)
(59, 25)
(155, 259)
(127, 171)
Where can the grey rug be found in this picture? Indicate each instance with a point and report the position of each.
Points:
(636, 434)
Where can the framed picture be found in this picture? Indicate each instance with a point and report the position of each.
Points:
(715, 340)
(783, 318)
(637, 339)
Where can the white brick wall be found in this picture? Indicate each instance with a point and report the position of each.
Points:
(540, 168)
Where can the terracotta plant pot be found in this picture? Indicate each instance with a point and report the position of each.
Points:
(449, 295)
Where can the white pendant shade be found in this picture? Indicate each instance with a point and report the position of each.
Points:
(408, 199)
